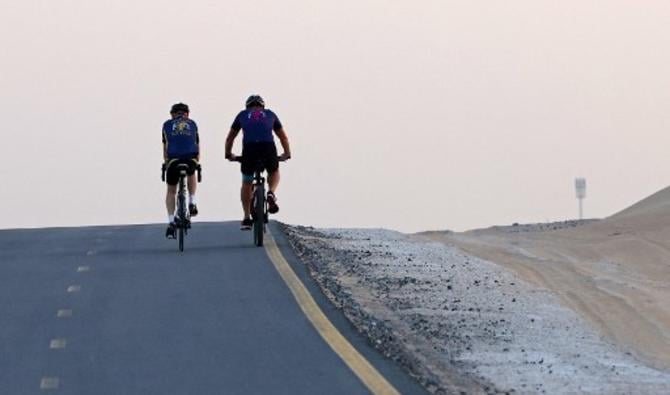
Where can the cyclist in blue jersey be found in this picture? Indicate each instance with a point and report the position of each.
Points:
(258, 126)
(181, 144)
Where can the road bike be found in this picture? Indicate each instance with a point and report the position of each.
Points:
(259, 204)
(182, 219)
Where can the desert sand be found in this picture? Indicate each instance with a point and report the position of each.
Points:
(461, 324)
(614, 272)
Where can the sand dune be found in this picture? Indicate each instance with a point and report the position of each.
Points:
(615, 272)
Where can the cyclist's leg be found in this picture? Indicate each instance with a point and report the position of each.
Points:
(171, 179)
(246, 193)
(247, 167)
(273, 180)
(192, 184)
(170, 201)
(192, 181)
(272, 166)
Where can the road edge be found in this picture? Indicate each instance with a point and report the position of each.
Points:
(399, 379)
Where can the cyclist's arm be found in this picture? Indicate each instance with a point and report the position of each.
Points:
(197, 144)
(164, 147)
(283, 139)
(230, 140)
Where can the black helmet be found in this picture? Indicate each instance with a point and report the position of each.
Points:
(255, 99)
(179, 107)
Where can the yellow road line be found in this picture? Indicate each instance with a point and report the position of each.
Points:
(372, 379)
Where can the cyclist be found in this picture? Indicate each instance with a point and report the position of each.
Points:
(257, 124)
(181, 144)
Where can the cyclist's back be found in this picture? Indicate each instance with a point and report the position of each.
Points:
(180, 136)
(257, 125)
(258, 146)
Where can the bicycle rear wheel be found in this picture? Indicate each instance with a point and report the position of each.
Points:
(181, 214)
(259, 216)
(181, 239)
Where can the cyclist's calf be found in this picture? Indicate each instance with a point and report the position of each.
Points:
(273, 180)
(245, 196)
(192, 184)
(170, 198)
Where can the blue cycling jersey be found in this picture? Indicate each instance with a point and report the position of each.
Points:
(180, 135)
(257, 125)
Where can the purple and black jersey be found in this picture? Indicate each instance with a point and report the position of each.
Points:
(257, 125)
(180, 135)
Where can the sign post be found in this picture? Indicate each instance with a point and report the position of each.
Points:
(580, 187)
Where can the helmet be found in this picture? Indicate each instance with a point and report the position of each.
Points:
(179, 107)
(255, 99)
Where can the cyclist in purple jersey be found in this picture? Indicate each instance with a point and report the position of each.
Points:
(181, 144)
(258, 125)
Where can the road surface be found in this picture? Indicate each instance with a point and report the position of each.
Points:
(118, 310)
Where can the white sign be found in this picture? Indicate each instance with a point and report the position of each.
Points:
(580, 187)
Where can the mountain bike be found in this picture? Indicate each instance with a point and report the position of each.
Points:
(259, 204)
(182, 219)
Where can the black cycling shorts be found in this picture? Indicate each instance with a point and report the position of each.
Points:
(259, 154)
(172, 175)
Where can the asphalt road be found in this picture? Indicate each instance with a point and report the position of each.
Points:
(118, 310)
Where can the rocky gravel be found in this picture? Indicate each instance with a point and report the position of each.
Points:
(459, 324)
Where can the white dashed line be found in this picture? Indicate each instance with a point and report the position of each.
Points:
(57, 344)
(64, 313)
(82, 269)
(73, 288)
(49, 383)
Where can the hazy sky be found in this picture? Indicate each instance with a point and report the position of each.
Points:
(409, 115)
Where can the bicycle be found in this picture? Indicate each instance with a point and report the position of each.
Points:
(182, 218)
(259, 204)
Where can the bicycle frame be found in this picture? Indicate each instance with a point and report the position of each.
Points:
(259, 209)
(183, 216)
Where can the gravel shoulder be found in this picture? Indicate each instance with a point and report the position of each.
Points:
(460, 324)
